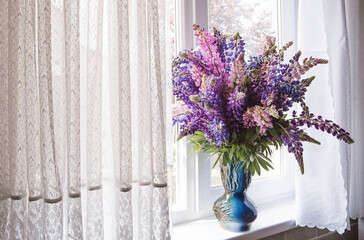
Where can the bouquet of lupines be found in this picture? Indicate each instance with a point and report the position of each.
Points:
(236, 107)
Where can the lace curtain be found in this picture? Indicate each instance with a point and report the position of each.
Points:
(332, 188)
(83, 119)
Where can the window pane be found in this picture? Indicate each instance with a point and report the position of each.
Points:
(215, 173)
(253, 19)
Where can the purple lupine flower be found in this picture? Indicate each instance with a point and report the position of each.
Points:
(294, 144)
(219, 133)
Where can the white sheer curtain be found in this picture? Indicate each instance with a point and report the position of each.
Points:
(355, 177)
(138, 63)
(83, 119)
(332, 188)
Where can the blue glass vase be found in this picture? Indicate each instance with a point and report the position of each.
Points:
(234, 210)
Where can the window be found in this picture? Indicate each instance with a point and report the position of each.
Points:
(196, 185)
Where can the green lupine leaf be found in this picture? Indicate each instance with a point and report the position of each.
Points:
(306, 82)
(270, 151)
(244, 157)
(250, 133)
(305, 137)
(273, 132)
(267, 163)
(210, 151)
(264, 157)
(247, 165)
(231, 154)
(257, 167)
(305, 109)
(252, 169)
(262, 163)
(238, 155)
(217, 160)
(251, 158)
(224, 150)
(225, 158)
(234, 136)
(243, 149)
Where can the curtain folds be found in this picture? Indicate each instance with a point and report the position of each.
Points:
(320, 192)
(355, 176)
(83, 119)
(331, 190)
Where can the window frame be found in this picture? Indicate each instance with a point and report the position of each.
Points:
(195, 196)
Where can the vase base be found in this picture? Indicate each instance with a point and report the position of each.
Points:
(235, 227)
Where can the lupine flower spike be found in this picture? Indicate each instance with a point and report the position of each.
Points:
(236, 105)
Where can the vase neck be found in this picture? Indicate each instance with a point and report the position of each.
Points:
(234, 179)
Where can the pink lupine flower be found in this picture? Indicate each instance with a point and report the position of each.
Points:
(237, 72)
(258, 116)
(179, 108)
(197, 74)
(209, 51)
(269, 41)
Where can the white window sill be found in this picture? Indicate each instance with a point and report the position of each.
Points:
(271, 219)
